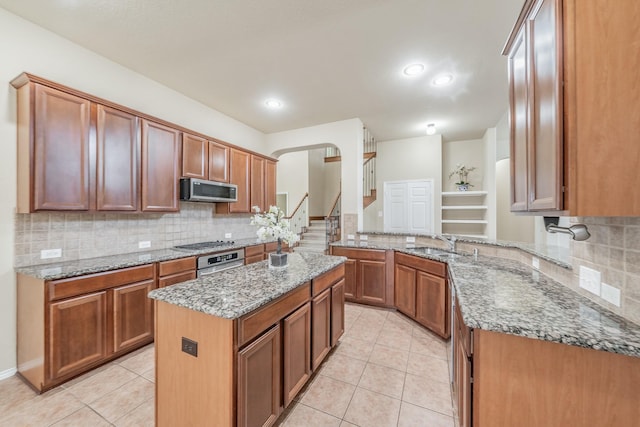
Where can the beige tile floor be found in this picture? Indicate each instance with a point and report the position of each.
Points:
(386, 371)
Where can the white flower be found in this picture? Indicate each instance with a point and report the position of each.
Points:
(273, 225)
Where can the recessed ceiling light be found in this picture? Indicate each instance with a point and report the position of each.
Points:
(443, 80)
(413, 69)
(431, 129)
(273, 103)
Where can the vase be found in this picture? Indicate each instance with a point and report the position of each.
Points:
(278, 260)
(463, 187)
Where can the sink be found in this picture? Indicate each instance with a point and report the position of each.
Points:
(440, 253)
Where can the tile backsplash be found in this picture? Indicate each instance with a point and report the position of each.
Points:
(88, 235)
(614, 250)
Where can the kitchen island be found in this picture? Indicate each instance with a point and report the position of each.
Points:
(235, 348)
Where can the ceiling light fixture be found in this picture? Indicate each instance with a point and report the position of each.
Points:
(443, 80)
(413, 69)
(273, 103)
(431, 129)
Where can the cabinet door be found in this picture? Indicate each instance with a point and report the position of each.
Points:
(195, 157)
(259, 380)
(61, 151)
(371, 282)
(405, 290)
(218, 162)
(132, 315)
(518, 123)
(78, 336)
(239, 175)
(463, 385)
(297, 351)
(269, 184)
(350, 279)
(160, 167)
(117, 160)
(431, 301)
(320, 328)
(545, 94)
(337, 311)
(257, 182)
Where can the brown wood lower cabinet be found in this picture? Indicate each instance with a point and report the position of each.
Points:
(176, 271)
(421, 292)
(78, 334)
(259, 380)
(249, 369)
(297, 351)
(68, 326)
(368, 275)
(509, 380)
(253, 254)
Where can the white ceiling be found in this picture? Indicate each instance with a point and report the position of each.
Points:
(327, 60)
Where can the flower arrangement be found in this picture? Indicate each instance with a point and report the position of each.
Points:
(462, 171)
(273, 225)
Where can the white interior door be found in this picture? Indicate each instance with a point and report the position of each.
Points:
(395, 207)
(408, 207)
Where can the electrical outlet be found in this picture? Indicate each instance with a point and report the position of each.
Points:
(379, 214)
(590, 280)
(143, 244)
(50, 253)
(610, 294)
(411, 239)
(190, 347)
(535, 262)
(227, 235)
(350, 237)
(364, 237)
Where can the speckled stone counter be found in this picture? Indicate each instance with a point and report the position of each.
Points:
(233, 293)
(506, 296)
(81, 267)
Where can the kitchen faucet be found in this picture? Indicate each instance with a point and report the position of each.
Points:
(451, 241)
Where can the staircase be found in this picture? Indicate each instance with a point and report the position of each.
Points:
(369, 169)
(314, 238)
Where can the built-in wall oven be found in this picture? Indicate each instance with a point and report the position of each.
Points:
(214, 263)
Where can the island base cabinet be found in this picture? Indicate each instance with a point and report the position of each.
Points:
(527, 382)
(259, 381)
(297, 352)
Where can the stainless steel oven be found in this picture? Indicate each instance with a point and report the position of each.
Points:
(220, 261)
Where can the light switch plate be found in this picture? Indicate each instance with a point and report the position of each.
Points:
(590, 279)
(610, 294)
(411, 239)
(50, 253)
(227, 235)
(143, 244)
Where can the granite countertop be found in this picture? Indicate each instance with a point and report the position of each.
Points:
(506, 296)
(63, 270)
(233, 293)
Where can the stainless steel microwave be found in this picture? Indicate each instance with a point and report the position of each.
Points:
(200, 190)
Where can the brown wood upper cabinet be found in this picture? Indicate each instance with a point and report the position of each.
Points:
(569, 116)
(204, 159)
(239, 174)
(257, 182)
(269, 183)
(160, 167)
(74, 154)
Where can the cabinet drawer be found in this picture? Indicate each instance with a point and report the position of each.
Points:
(327, 279)
(366, 254)
(176, 278)
(253, 324)
(174, 266)
(273, 246)
(422, 264)
(66, 288)
(253, 250)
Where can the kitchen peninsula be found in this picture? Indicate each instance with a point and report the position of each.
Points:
(226, 344)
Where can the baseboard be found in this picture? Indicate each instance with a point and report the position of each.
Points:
(7, 373)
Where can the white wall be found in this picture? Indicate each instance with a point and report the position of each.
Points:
(406, 159)
(316, 182)
(469, 153)
(489, 143)
(347, 136)
(27, 47)
(510, 227)
(293, 177)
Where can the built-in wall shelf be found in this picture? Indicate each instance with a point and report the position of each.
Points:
(464, 214)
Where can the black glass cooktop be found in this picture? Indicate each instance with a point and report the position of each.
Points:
(204, 245)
